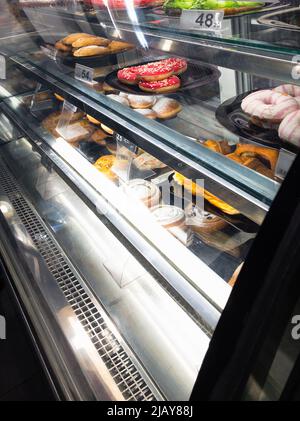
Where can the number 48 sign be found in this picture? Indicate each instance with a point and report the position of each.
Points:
(205, 20)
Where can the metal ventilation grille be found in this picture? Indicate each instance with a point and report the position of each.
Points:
(128, 379)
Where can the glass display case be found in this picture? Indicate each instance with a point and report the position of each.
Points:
(143, 143)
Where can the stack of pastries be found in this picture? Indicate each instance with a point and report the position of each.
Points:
(258, 158)
(155, 77)
(86, 45)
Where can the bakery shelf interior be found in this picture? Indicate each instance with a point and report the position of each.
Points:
(174, 140)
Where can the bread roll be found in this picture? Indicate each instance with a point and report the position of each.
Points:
(91, 50)
(63, 47)
(166, 108)
(117, 46)
(68, 40)
(92, 40)
(93, 120)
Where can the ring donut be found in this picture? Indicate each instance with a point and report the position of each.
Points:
(170, 84)
(289, 89)
(289, 128)
(268, 105)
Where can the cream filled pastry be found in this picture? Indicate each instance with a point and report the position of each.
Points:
(144, 190)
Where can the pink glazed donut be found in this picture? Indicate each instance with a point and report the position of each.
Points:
(269, 105)
(288, 89)
(289, 128)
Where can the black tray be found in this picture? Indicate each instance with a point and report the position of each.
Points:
(197, 74)
(92, 61)
(231, 116)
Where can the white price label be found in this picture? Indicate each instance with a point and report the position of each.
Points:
(284, 162)
(205, 20)
(2, 67)
(122, 141)
(84, 73)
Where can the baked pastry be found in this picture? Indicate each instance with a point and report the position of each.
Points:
(252, 151)
(91, 50)
(221, 146)
(92, 40)
(170, 84)
(197, 190)
(58, 97)
(146, 112)
(179, 65)
(128, 75)
(235, 275)
(59, 45)
(153, 72)
(75, 132)
(268, 105)
(289, 129)
(93, 120)
(51, 121)
(107, 129)
(148, 162)
(99, 137)
(253, 163)
(203, 222)
(144, 190)
(289, 89)
(166, 108)
(124, 95)
(117, 46)
(118, 98)
(68, 40)
(169, 216)
(105, 164)
(141, 101)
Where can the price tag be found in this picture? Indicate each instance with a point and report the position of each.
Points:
(204, 20)
(2, 67)
(39, 105)
(122, 141)
(84, 73)
(284, 162)
(64, 121)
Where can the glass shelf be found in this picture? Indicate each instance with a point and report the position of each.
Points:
(241, 30)
(177, 142)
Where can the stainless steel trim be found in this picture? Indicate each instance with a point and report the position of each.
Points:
(109, 365)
